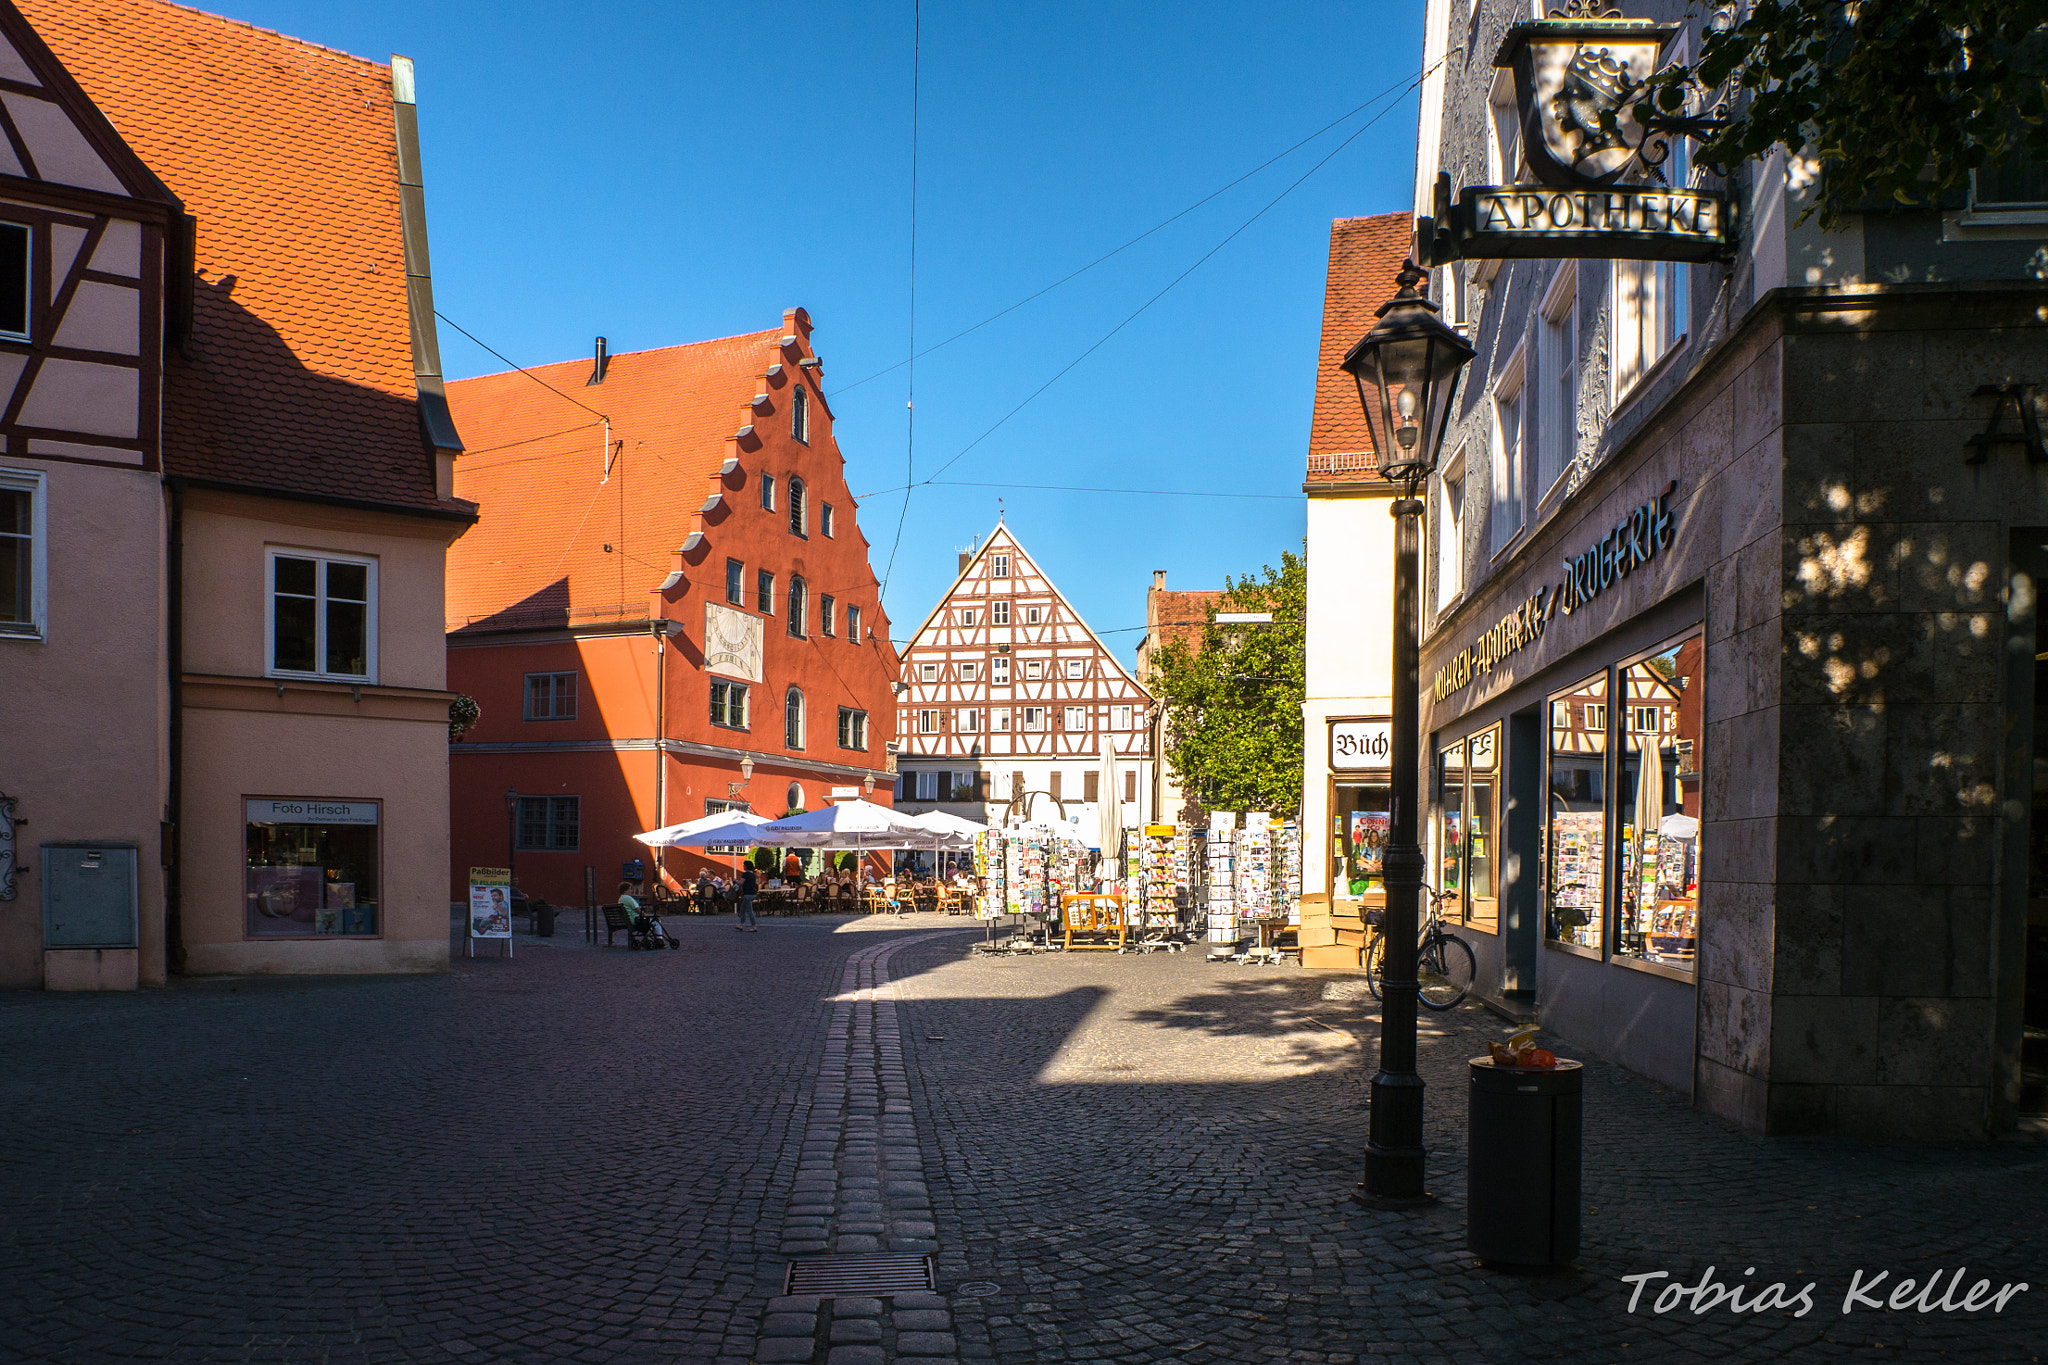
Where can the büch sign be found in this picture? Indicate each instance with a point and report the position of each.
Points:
(1357, 745)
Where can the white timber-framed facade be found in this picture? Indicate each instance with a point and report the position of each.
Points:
(1008, 693)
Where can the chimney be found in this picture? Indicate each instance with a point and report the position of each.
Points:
(1159, 580)
(965, 557)
(597, 370)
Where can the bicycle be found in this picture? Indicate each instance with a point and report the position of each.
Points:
(1444, 966)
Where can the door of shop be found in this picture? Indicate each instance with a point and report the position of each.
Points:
(2034, 988)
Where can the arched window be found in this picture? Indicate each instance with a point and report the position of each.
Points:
(793, 720)
(797, 509)
(796, 797)
(799, 606)
(800, 414)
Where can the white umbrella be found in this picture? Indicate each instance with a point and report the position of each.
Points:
(719, 827)
(954, 832)
(846, 824)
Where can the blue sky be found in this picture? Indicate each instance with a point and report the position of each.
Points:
(662, 173)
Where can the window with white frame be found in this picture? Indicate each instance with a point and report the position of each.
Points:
(16, 252)
(998, 566)
(767, 494)
(793, 719)
(1557, 369)
(1450, 532)
(1504, 129)
(550, 696)
(968, 672)
(928, 673)
(828, 614)
(967, 617)
(1033, 718)
(825, 520)
(999, 613)
(729, 705)
(1076, 668)
(2017, 185)
(24, 541)
(1449, 293)
(323, 615)
(999, 671)
(800, 414)
(1508, 407)
(1077, 718)
(1033, 615)
(853, 728)
(1002, 718)
(735, 583)
(799, 600)
(1649, 318)
(764, 592)
(1120, 717)
(853, 624)
(1033, 669)
(970, 722)
(928, 722)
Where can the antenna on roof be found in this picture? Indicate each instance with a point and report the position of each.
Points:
(597, 370)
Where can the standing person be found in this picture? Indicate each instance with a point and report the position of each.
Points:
(793, 869)
(749, 884)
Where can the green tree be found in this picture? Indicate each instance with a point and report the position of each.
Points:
(1899, 100)
(1233, 705)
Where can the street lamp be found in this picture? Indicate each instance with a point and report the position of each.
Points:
(512, 837)
(1411, 361)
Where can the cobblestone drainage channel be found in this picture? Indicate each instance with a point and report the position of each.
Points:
(859, 1275)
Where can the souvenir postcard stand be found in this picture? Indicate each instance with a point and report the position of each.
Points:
(1224, 931)
(1094, 920)
(1254, 867)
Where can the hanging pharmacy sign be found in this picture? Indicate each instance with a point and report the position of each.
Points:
(1628, 545)
(1598, 154)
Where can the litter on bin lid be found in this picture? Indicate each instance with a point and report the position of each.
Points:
(1527, 1056)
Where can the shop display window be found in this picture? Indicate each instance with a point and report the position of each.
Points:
(312, 868)
(1578, 799)
(1362, 817)
(1657, 803)
(1468, 818)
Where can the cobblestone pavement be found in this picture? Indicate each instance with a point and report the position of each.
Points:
(592, 1155)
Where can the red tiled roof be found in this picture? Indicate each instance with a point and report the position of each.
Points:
(534, 464)
(299, 374)
(1365, 255)
(1183, 615)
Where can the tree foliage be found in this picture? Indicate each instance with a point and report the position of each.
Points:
(1233, 706)
(1899, 100)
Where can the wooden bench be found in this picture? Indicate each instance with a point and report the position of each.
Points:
(616, 921)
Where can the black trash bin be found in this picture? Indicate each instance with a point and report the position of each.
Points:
(1522, 1164)
(544, 921)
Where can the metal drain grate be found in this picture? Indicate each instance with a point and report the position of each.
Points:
(859, 1276)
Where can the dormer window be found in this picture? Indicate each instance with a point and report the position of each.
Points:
(800, 414)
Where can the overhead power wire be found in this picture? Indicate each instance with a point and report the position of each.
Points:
(517, 366)
(910, 397)
(1118, 251)
(1076, 488)
(1140, 310)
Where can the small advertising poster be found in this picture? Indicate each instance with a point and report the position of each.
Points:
(490, 902)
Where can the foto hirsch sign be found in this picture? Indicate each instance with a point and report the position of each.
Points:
(1604, 183)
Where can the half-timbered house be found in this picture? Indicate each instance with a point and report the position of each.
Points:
(1008, 699)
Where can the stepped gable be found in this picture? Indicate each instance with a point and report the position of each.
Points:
(1365, 256)
(298, 372)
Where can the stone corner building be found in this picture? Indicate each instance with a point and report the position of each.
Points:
(1730, 656)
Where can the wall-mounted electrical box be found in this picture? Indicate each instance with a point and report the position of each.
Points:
(89, 895)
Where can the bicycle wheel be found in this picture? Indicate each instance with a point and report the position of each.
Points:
(1375, 963)
(1445, 970)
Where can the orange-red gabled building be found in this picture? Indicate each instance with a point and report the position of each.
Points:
(665, 609)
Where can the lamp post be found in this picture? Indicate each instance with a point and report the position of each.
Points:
(512, 836)
(1406, 369)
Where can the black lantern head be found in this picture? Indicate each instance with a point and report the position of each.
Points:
(1411, 360)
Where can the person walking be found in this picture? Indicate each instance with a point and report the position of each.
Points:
(749, 884)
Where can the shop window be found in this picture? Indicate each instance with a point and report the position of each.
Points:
(551, 696)
(793, 719)
(998, 566)
(735, 583)
(799, 607)
(312, 868)
(764, 592)
(550, 823)
(323, 616)
(853, 728)
(1657, 794)
(23, 553)
(729, 705)
(800, 414)
(1578, 815)
(999, 613)
(1468, 818)
(828, 614)
(1361, 818)
(853, 624)
(798, 511)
